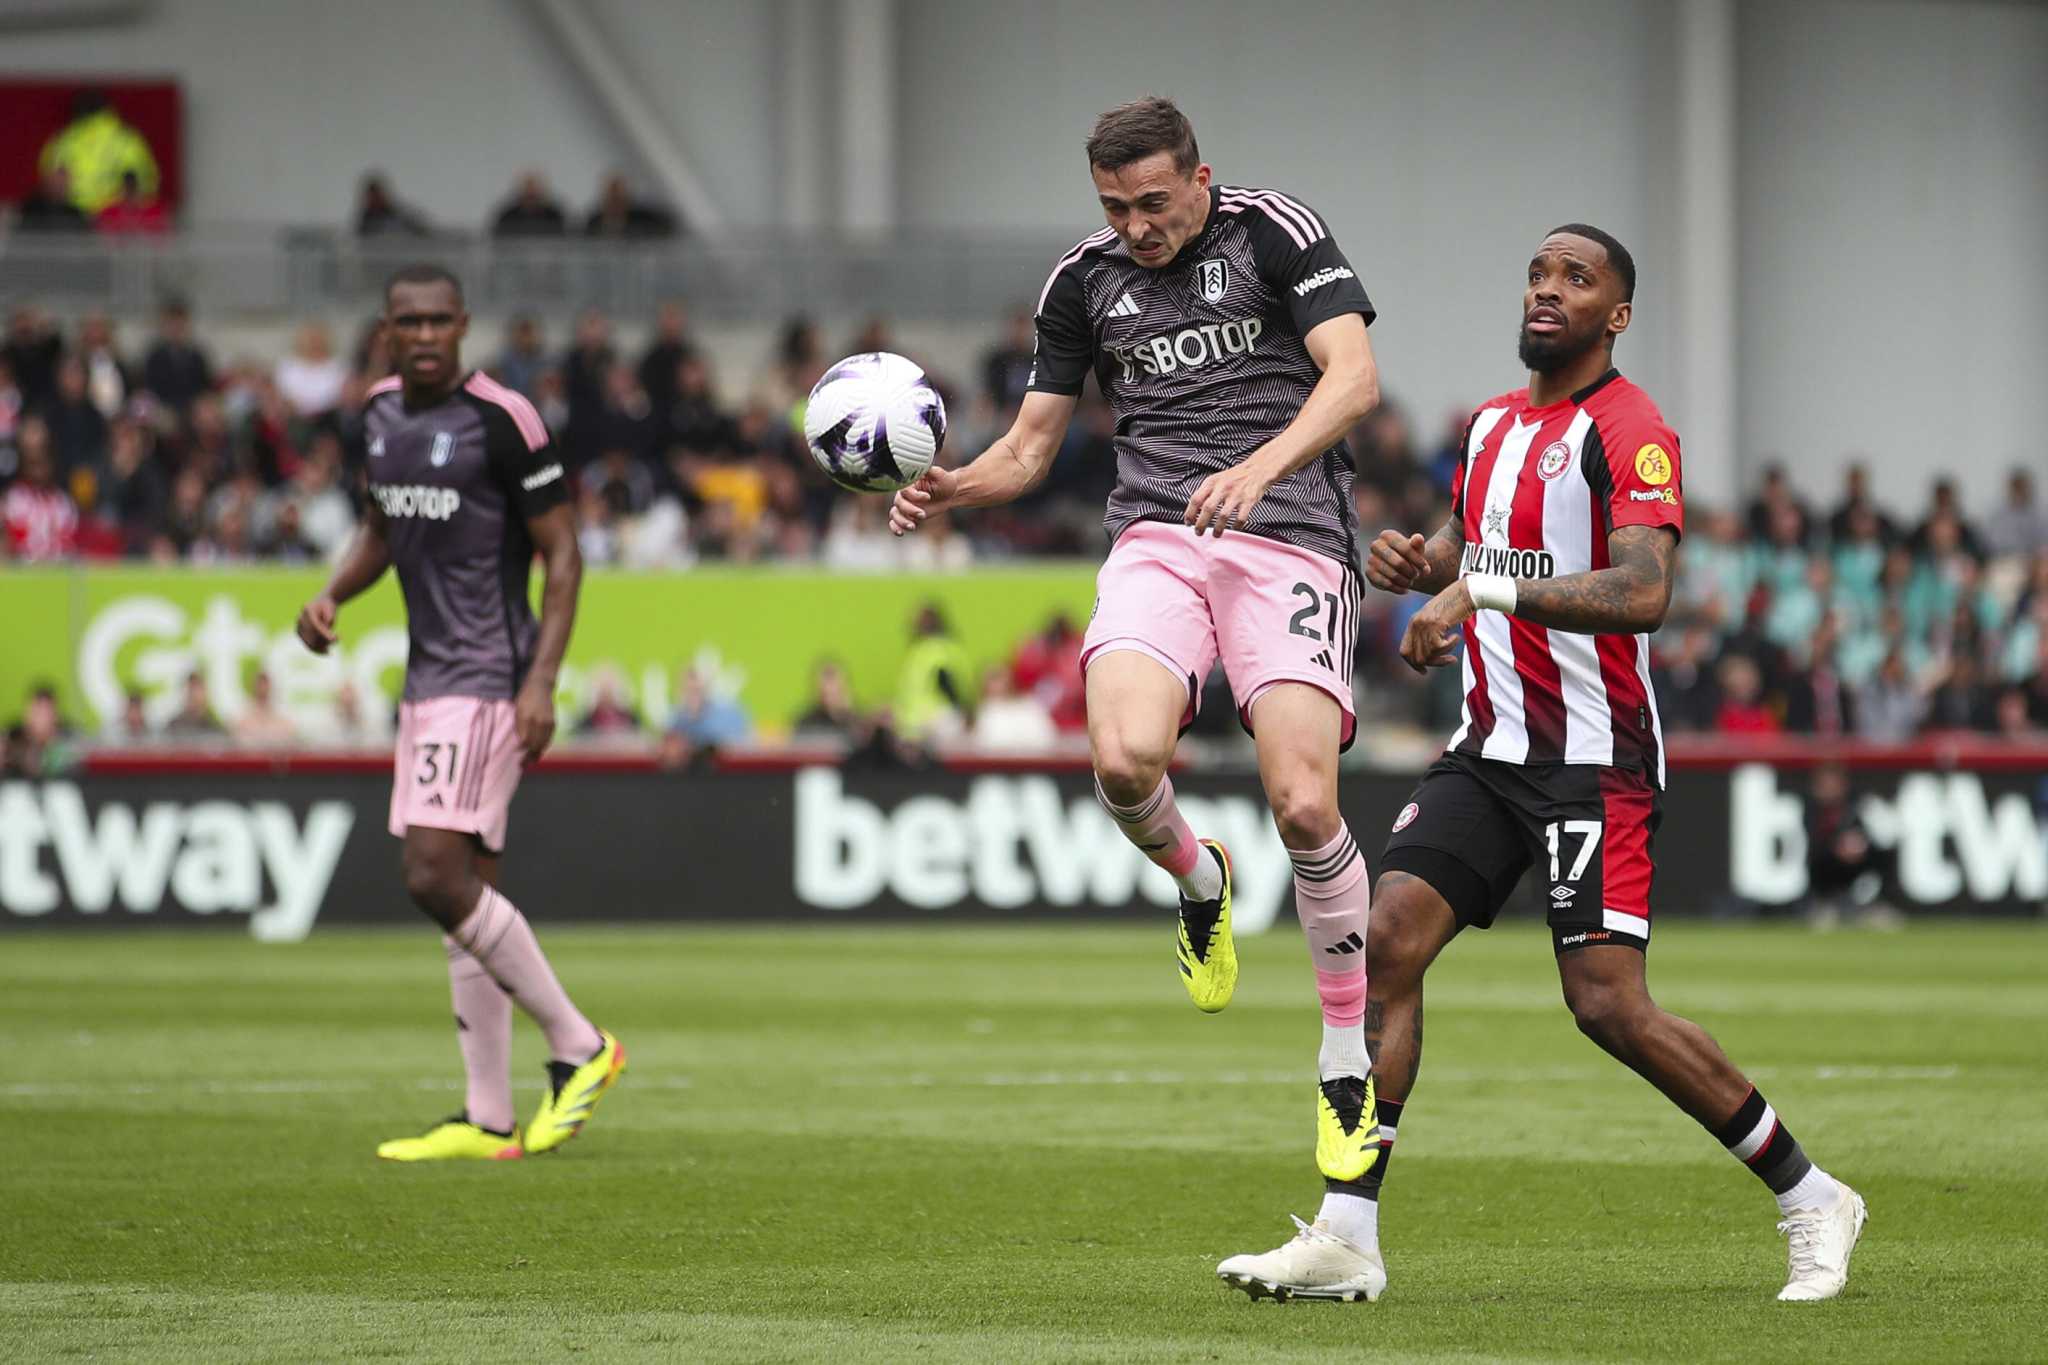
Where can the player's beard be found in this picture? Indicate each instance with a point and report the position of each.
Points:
(1549, 354)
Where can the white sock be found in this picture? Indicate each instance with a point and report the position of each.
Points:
(1204, 881)
(1343, 1052)
(1353, 1217)
(1815, 1190)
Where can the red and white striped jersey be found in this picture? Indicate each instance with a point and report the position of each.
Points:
(1537, 494)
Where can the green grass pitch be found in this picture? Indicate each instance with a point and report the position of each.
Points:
(902, 1144)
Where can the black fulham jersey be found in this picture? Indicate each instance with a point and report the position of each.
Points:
(1203, 360)
(456, 483)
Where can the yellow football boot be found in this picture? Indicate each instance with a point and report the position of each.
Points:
(572, 1094)
(1347, 1128)
(455, 1140)
(1202, 943)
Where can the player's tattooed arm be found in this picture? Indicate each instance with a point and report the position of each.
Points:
(1627, 598)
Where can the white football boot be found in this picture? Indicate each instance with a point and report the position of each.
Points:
(1820, 1245)
(1317, 1264)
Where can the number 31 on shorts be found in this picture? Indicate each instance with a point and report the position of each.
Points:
(439, 762)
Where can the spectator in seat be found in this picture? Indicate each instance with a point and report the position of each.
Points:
(379, 214)
(135, 494)
(523, 358)
(310, 379)
(619, 215)
(935, 695)
(1929, 538)
(42, 521)
(832, 712)
(1890, 705)
(1856, 503)
(78, 429)
(49, 207)
(2019, 527)
(705, 721)
(1743, 711)
(610, 713)
(134, 213)
(31, 351)
(45, 744)
(1009, 720)
(175, 370)
(532, 211)
(96, 152)
(1006, 369)
(109, 379)
(1818, 699)
(194, 718)
(670, 347)
(1048, 667)
(261, 725)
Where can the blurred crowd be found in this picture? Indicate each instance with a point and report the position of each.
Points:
(1837, 621)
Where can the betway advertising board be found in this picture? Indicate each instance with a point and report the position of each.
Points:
(97, 632)
(284, 854)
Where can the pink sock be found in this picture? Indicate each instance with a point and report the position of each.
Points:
(1331, 898)
(1156, 827)
(499, 937)
(483, 1025)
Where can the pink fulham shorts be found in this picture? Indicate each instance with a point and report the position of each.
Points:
(457, 766)
(1273, 612)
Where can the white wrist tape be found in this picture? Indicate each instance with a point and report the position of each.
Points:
(1491, 592)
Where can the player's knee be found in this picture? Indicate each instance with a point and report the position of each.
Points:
(1397, 941)
(1305, 813)
(1604, 1012)
(1128, 769)
(435, 885)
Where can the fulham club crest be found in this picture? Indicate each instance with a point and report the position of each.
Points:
(1215, 275)
(1556, 458)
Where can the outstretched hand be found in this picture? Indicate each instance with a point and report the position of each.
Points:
(932, 492)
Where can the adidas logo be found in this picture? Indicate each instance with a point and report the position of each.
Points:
(1126, 307)
(1352, 944)
(435, 800)
(1323, 658)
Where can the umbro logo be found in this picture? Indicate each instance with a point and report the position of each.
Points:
(1352, 944)
(1126, 307)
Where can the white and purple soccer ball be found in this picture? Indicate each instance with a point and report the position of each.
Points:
(874, 422)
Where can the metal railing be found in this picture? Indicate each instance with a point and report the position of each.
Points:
(737, 277)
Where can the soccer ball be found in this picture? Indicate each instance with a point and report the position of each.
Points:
(874, 422)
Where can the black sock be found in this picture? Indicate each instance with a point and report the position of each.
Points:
(1759, 1141)
(1367, 1186)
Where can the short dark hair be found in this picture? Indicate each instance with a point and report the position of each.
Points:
(1134, 131)
(1617, 254)
(423, 272)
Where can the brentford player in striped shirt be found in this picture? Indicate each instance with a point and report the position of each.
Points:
(1555, 565)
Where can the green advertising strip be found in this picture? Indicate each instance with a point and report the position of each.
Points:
(98, 632)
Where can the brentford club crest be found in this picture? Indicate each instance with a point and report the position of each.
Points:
(1407, 817)
(1215, 276)
(1555, 459)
